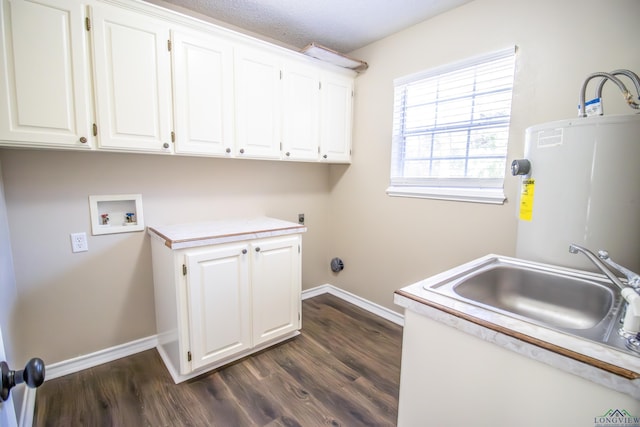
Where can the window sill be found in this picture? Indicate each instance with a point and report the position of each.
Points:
(493, 196)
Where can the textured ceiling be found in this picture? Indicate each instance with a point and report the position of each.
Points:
(342, 25)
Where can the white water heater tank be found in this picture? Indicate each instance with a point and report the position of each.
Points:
(583, 187)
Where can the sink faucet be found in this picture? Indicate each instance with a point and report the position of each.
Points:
(633, 279)
(631, 323)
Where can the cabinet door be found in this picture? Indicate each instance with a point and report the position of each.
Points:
(202, 93)
(336, 121)
(219, 303)
(276, 287)
(257, 104)
(133, 80)
(44, 83)
(301, 112)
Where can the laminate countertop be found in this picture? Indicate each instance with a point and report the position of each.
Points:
(191, 235)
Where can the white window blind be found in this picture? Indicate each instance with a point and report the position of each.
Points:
(451, 128)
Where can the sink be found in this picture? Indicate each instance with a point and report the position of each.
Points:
(576, 302)
(559, 301)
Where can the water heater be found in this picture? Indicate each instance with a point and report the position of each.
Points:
(580, 183)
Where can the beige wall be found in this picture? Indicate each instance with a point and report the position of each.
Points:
(72, 304)
(389, 242)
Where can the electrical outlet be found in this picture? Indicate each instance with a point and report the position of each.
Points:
(79, 242)
(301, 218)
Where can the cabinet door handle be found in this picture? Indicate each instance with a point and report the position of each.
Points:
(83, 140)
(244, 251)
(258, 249)
(288, 154)
(324, 157)
(165, 145)
(228, 150)
(242, 151)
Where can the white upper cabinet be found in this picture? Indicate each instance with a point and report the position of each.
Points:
(202, 93)
(258, 103)
(300, 111)
(336, 118)
(44, 85)
(132, 79)
(127, 76)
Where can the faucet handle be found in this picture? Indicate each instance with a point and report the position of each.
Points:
(633, 279)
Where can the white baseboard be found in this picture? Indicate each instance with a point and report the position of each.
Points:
(66, 367)
(365, 304)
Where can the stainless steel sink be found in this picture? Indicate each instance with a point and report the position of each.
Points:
(579, 303)
(556, 300)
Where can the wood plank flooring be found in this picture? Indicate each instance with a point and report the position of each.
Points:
(343, 370)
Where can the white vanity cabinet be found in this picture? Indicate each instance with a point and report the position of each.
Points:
(132, 79)
(224, 290)
(45, 89)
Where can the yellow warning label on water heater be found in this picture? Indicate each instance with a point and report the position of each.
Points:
(526, 199)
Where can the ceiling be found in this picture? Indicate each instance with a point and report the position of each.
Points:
(341, 25)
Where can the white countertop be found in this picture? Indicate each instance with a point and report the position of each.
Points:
(604, 365)
(179, 236)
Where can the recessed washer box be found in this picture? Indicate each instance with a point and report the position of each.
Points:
(121, 213)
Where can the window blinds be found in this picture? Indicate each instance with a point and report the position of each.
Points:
(451, 124)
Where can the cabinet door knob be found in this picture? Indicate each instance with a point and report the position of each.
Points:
(165, 145)
(242, 151)
(244, 251)
(324, 157)
(287, 154)
(228, 150)
(258, 249)
(83, 139)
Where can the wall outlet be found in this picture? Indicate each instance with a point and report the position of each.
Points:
(79, 242)
(301, 219)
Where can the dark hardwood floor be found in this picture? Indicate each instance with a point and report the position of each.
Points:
(343, 370)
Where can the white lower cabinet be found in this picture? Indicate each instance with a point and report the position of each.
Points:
(218, 303)
(275, 280)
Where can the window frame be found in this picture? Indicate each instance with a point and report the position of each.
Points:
(481, 190)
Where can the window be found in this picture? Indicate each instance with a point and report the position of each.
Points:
(451, 129)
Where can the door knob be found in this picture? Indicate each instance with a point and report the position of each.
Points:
(32, 375)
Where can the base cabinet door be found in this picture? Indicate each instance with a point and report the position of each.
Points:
(240, 296)
(275, 285)
(219, 303)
